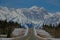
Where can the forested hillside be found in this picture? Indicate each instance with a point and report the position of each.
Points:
(7, 27)
(53, 30)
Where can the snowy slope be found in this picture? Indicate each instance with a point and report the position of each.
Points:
(34, 14)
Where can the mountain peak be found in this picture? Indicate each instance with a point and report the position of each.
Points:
(34, 14)
(42, 9)
(34, 7)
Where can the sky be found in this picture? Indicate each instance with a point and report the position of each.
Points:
(49, 5)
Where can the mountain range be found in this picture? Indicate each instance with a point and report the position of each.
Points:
(33, 15)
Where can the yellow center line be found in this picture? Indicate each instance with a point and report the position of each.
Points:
(28, 38)
(29, 35)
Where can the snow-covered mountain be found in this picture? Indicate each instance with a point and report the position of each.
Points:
(34, 14)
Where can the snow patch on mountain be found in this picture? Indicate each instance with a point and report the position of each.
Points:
(35, 15)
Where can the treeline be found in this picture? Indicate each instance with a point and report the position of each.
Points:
(54, 30)
(8, 27)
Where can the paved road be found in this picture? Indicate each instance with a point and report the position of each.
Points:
(30, 35)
